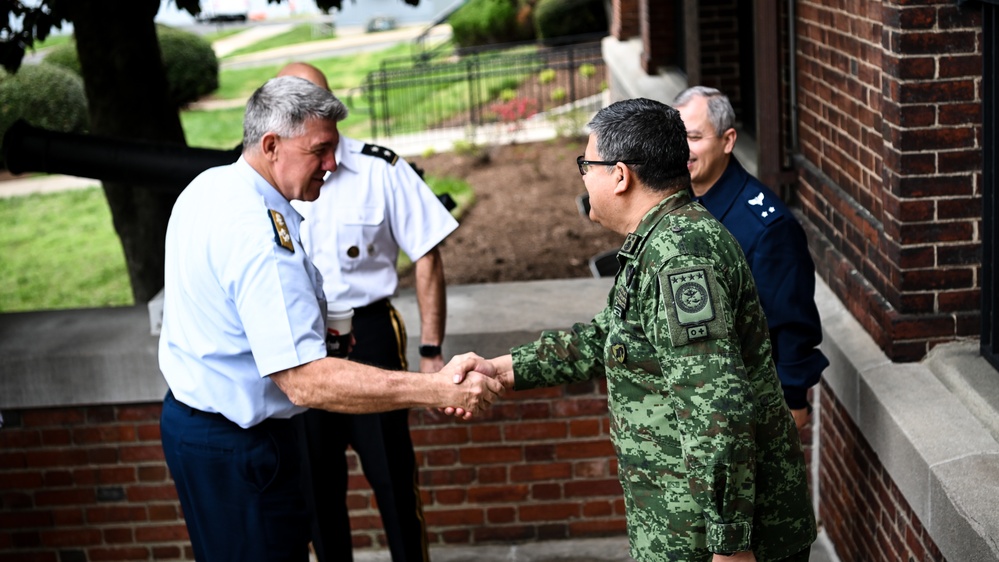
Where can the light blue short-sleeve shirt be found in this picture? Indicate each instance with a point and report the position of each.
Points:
(241, 298)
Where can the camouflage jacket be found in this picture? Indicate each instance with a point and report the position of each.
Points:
(708, 454)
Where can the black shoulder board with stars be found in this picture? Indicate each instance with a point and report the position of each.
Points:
(381, 152)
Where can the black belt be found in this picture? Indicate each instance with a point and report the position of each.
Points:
(378, 307)
(267, 424)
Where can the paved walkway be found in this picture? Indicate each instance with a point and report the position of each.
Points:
(613, 549)
(28, 184)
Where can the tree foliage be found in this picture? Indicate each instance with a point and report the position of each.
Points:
(126, 88)
(192, 69)
(45, 96)
(484, 22)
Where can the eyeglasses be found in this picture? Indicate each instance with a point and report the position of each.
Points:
(584, 165)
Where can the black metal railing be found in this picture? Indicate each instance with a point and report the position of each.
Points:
(452, 88)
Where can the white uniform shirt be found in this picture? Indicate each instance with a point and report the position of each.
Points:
(368, 209)
(238, 305)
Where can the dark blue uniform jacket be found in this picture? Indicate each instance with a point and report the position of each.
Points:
(777, 252)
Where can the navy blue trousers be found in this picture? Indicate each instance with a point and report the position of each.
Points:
(240, 489)
(384, 446)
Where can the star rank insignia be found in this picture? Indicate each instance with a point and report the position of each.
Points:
(380, 152)
(281, 234)
(765, 211)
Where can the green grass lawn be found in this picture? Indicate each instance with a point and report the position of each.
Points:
(302, 33)
(60, 251)
(223, 128)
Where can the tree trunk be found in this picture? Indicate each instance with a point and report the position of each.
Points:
(126, 90)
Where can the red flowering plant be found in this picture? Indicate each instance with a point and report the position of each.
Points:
(514, 111)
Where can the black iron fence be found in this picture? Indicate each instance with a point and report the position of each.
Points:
(486, 91)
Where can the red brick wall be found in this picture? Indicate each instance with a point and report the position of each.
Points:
(889, 128)
(624, 19)
(862, 511)
(90, 483)
(659, 31)
(719, 31)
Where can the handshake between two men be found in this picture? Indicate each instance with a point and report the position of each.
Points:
(465, 387)
(484, 380)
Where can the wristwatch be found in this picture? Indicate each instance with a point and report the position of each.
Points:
(430, 350)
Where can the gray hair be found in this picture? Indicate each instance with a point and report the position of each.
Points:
(720, 112)
(646, 131)
(283, 105)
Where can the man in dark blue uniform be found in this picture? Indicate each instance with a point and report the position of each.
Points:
(770, 236)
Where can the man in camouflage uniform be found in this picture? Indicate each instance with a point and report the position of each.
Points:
(709, 457)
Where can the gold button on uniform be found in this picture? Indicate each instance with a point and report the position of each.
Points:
(353, 251)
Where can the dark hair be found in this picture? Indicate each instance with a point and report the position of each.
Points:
(647, 131)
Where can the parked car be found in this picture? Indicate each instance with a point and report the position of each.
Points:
(381, 23)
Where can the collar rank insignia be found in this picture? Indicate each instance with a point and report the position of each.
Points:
(631, 243)
(281, 234)
(381, 152)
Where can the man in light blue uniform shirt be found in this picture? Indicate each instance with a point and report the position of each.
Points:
(242, 346)
(373, 205)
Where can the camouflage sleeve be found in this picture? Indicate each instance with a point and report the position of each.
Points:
(690, 323)
(561, 357)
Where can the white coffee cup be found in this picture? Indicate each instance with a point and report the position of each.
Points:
(339, 324)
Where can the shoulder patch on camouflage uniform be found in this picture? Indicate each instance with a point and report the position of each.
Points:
(690, 303)
(380, 152)
(760, 208)
(281, 234)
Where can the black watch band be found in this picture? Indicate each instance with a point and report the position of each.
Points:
(430, 350)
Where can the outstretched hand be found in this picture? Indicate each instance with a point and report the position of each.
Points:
(477, 387)
(500, 369)
(461, 365)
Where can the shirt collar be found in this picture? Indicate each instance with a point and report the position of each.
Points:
(271, 196)
(722, 195)
(633, 242)
(346, 154)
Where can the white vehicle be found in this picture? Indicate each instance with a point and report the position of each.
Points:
(219, 11)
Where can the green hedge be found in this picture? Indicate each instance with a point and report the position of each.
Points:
(487, 22)
(191, 66)
(192, 69)
(563, 18)
(44, 95)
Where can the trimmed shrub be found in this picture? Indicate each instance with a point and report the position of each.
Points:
(191, 66)
(555, 19)
(192, 70)
(44, 95)
(487, 22)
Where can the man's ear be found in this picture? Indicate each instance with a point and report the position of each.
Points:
(728, 138)
(269, 145)
(624, 177)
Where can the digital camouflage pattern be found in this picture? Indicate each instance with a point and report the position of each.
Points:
(709, 456)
